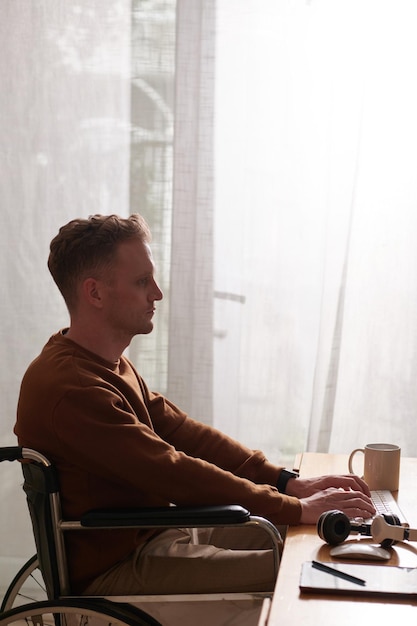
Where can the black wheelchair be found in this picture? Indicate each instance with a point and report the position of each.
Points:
(40, 594)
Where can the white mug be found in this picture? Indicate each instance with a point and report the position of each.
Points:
(381, 465)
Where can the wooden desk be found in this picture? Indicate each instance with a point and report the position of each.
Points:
(291, 608)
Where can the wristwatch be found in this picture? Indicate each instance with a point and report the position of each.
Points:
(283, 478)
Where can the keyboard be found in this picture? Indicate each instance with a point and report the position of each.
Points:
(384, 502)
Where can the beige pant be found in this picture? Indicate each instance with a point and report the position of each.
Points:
(196, 561)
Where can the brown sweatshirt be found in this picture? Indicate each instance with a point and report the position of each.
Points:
(117, 444)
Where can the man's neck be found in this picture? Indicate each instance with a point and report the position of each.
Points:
(97, 342)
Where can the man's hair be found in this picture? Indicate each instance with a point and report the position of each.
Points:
(88, 247)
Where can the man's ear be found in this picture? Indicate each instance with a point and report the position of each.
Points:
(91, 289)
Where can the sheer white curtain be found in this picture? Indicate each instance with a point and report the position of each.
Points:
(190, 373)
(65, 151)
(315, 224)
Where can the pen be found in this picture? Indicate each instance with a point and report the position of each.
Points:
(335, 572)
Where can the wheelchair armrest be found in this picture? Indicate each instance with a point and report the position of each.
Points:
(171, 516)
(11, 453)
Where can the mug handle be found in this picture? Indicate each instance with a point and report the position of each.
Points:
(350, 461)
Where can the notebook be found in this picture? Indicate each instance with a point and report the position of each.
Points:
(386, 580)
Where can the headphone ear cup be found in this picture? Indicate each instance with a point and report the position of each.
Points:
(333, 527)
(394, 520)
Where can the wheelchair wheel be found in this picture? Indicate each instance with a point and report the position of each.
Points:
(77, 612)
(26, 586)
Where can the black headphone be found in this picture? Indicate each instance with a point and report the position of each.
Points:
(334, 527)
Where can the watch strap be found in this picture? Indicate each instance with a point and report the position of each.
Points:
(283, 478)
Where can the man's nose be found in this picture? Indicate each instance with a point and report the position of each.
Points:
(157, 294)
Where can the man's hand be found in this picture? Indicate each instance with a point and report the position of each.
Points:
(304, 487)
(353, 503)
(348, 493)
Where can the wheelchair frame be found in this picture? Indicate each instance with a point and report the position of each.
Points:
(54, 568)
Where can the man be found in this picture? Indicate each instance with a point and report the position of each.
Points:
(117, 444)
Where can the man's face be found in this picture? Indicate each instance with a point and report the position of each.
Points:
(130, 292)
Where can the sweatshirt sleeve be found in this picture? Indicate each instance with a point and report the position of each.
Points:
(202, 441)
(158, 461)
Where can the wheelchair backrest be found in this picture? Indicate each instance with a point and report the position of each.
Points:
(41, 485)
